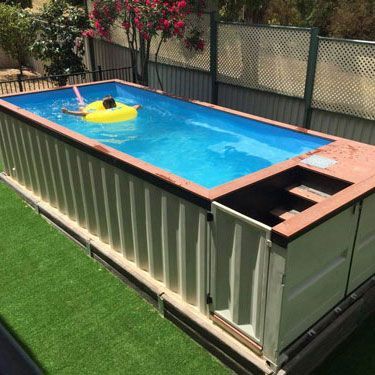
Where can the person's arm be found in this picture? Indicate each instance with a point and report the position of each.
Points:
(74, 113)
(137, 106)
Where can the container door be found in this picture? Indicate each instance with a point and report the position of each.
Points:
(239, 270)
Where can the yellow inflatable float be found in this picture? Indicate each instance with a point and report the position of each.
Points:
(97, 113)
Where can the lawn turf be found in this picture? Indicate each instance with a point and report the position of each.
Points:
(73, 315)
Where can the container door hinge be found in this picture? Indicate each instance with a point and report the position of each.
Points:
(209, 299)
(161, 306)
(283, 279)
(88, 249)
(269, 243)
(210, 216)
(355, 206)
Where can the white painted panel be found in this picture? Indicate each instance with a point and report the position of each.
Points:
(363, 263)
(316, 273)
(160, 232)
(4, 150)
(240, 255)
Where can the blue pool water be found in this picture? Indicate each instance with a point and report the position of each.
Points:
(203, 145)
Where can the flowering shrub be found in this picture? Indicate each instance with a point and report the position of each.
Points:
(142, 20)
(194, 41)
(16, 33)
(60, 44)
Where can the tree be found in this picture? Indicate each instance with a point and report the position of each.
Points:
(252, 11)
(353, 19)
(60, 43)
(336, 18)
(16, 35)
(283, 12)
(321, 15)
(143, 20)
(22, 3)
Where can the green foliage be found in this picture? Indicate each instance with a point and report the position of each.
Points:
(16, 33)
(353, 19)
(283, 12)
(249, 10)
(76, 2)
(321, 15)
(21, 3)
(60, 43)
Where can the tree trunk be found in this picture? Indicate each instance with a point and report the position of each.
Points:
(143, 51)
(157, 64)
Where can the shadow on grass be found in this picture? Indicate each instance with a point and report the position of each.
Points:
(15, 356)
(355, 356)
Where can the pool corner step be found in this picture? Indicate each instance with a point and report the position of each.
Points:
(306, 192)
(283, 213)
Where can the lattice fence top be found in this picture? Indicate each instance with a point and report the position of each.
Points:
(175, 53)
(345, 78)
(264, 58)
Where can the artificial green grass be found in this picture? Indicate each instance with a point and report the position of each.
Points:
(355, 356)
(75, 317)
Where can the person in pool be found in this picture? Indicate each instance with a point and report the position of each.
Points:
(108, 103)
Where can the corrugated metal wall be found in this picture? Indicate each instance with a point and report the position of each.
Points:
(345, 126)
(110, 55)
(261, 103)
(317, 270)
(188, 83)
(161, 233)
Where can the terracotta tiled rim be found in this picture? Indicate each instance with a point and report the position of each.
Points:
(355, 163)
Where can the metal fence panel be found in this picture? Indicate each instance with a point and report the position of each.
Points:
(187, 83)
(345, 126)
(49, 82)
(264, 58)
(264, 104)
(345, 77)
(110, 55)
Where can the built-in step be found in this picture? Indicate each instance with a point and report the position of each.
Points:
(308, 193)
(284, 214)
(284, 195)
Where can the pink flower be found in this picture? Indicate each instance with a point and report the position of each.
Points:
(166, 24)
(179, 24)
(200, 45)
(88, 33)
(126, 25)
(118, 6)
(181, 4)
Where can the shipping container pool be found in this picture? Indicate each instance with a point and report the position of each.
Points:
(261, 227)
